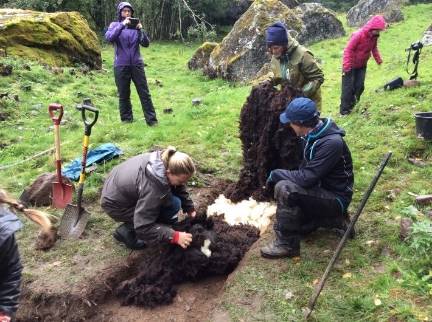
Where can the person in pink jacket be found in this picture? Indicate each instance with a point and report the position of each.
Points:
(362, 44)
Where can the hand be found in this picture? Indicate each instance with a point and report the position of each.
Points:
(269, 188)
(126, 21)
(185, 239)
(192, 213)
(4, 318)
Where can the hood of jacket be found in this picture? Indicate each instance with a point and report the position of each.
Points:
(157, 168)
(325, 127)
(377, 22)
(120, 8)
(292, 44)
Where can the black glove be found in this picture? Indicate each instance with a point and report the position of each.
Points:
(269, 188)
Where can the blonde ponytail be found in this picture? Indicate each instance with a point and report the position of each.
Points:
(40, 218)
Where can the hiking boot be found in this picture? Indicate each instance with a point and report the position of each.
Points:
(274, 251)
(125, 234)
(345, 225)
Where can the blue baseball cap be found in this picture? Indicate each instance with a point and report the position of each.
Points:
(300, 110)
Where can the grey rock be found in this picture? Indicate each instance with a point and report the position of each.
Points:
(361, 13)
(243, 52)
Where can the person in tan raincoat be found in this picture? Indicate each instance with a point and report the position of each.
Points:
(294, 63)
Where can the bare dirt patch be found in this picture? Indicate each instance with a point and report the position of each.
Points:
(90, 296)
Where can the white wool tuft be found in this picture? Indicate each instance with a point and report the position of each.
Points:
(205, 248)
(249, 212)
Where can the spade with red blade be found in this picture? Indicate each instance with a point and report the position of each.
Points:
(62, 192)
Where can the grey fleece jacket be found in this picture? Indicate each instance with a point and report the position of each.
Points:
(135, 191)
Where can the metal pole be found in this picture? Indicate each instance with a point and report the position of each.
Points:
(344, 238)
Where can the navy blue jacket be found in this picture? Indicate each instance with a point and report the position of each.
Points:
(326, 163)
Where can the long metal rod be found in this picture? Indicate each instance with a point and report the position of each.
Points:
(344, 238)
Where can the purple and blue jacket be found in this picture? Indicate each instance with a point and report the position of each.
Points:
(126, 41)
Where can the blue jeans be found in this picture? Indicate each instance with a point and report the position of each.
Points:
(168, 214)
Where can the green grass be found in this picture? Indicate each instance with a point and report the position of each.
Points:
(382, 266)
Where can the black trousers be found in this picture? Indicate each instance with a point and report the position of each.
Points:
(352, 88)
(301, 211)
(123, 77)
(10, 276)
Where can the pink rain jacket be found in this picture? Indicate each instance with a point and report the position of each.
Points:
(362, 43)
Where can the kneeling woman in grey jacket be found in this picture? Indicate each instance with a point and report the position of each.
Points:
(146, 192)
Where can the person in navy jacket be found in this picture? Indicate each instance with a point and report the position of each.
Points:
(129, 65)
(11, 265)
(320, 191)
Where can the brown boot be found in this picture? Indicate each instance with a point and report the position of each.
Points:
(274, 251)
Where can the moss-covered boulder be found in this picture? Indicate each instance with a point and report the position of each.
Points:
(201, 56)
(364, 10)
(243, 52)
(427, 37)
(56, 39)
(239, 7)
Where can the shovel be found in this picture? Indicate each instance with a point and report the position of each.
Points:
(62, 192)
(75, 218)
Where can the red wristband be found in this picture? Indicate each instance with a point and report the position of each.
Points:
(190, 212)
(175, 239)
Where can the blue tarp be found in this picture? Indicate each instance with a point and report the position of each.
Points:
(101, 154)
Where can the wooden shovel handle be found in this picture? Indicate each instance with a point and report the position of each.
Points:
(56, 120)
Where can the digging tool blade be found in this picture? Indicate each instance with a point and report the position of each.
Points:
(61, 192)
(75, 218)
(73, 222)
(320, 285)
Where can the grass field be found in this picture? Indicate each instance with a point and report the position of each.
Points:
(379, 277)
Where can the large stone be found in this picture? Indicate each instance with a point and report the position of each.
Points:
(201, 56)
(363, 11)
(55, 39)
(243, 52)
(320, 23)
(239, 7)
(427, 37)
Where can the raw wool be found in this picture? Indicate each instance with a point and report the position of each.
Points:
(249, 212)
(216, 249)
(267, 144)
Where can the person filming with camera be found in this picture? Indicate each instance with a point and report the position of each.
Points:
(127, 35)
(362, 44)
